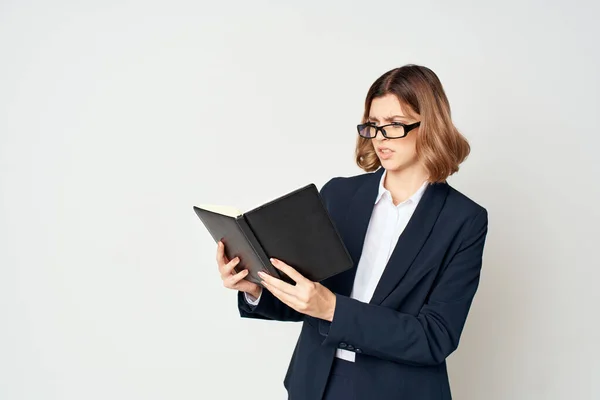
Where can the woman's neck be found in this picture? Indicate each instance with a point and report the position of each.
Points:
(405, 182)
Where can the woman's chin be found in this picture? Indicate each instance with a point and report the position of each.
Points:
(389, 163)
(395, 165)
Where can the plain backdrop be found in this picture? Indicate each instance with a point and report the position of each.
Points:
(116, 117)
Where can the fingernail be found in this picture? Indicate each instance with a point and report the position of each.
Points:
(273, 260)
(260, 273)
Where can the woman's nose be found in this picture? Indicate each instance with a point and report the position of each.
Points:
(379, 135)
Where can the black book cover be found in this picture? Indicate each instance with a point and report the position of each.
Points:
(295, 228)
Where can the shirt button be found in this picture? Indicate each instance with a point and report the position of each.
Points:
(350, 347)
(358, 350)
(343, 345)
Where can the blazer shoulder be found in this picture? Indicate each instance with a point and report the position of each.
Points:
(345, 185)
(459, 201)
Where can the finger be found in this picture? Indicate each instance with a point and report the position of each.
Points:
(233, 280)
(278, 283)
(221, 257)
(227, 269)
(288, 270)
(245, 285)
(281, 295)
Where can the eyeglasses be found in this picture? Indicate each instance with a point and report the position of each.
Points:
(395, 130)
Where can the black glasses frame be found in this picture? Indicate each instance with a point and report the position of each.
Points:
(407, 128)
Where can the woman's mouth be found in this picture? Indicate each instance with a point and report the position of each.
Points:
(384, 153)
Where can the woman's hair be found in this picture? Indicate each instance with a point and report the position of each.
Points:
(440, 146)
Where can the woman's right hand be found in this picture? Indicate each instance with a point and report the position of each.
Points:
(231, 280)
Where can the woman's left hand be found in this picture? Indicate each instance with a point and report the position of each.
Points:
(307, 297)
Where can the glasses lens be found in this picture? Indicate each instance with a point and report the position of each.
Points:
(394, 131)
(391, 131)
(367, 131)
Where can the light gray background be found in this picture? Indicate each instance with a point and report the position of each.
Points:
(116, 117)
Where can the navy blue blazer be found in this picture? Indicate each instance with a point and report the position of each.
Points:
(414, 320)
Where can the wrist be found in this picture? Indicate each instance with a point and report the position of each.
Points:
(331, 308)
(255, 294)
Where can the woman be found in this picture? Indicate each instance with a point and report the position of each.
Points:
(383, 329)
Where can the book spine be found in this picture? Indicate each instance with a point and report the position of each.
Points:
(256, 247)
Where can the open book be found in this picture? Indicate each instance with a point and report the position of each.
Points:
(295, 228)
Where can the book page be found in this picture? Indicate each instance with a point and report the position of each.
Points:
(220, 209)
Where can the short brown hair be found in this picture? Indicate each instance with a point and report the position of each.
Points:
(439, 145)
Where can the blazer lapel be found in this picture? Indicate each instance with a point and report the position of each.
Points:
(354, 229)
(411, 240)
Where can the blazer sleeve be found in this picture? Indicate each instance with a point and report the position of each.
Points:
(427, 338)
(270, 307)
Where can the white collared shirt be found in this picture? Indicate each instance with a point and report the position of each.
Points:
(385, 226)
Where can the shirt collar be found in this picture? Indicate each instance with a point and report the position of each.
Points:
(384, 192)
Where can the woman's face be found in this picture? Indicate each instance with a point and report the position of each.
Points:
(394, 154)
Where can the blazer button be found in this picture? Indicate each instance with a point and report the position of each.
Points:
(358, 350)
(343, 345)
(350, 347)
